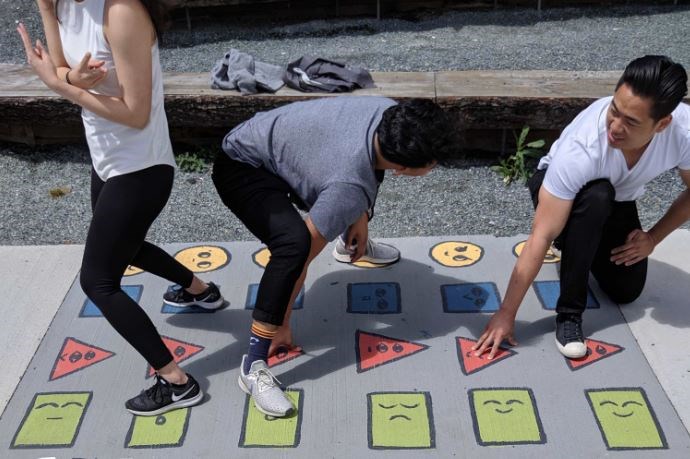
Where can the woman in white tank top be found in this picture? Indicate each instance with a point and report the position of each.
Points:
(104, 57)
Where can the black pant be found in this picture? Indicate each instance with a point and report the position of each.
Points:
(264, 203)
(596, 225)
(124, 207)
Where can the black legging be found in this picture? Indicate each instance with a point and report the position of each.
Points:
(124, 207)
(596, 225)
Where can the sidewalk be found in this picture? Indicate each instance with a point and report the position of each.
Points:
(646, 346)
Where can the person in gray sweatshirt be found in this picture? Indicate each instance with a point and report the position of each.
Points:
(327, 157)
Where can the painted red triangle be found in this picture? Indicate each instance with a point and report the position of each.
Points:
(374, 350)
(180, 350)
(76, 355)
(284, 355)
(596, 350)
(469, 363)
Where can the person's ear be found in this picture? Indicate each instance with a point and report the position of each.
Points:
(663, 123)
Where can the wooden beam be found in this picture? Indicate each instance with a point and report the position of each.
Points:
(482, 101)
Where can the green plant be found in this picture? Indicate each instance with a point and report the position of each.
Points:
(514, 167)
(190, 162)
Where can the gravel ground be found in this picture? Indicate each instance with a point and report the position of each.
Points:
(466, 199)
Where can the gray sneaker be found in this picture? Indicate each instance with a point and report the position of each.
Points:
(376, 253)
(261, 385)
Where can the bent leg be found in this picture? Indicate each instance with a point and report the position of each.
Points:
(623, 284)
(124, 208)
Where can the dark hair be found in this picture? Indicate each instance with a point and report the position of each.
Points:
(417, 132)
(157, 12)
(659, 79)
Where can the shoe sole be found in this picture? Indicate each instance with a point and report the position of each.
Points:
(246, 390)
(345, 258)
(210, 306)
(173, 406)
(570, 355)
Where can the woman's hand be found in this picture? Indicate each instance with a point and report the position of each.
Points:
(39, 59)
(88, 73)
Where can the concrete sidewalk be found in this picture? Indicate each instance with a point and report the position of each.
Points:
(41, 279)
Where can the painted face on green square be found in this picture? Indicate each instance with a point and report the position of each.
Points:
(53, 419)
(505, 416)
(164, 430)
(400, 420)
(263, 431)
(626, 419)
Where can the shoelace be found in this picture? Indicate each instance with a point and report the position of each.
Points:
(572, 330)
(158, 390)
(265, 379)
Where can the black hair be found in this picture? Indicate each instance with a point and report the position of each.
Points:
(657, 78)
(157, 11)
(417, 132)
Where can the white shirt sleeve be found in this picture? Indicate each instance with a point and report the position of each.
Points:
(684, 163)
(569, 170)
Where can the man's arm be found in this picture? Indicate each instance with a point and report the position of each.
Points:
(549, 220)
(640, 244)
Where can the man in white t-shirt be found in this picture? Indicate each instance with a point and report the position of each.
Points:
(585, 190)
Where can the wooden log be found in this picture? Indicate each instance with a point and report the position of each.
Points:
(481, 101)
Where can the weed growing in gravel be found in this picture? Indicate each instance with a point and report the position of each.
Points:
(191, 162)
(514, 167)
(60, 191)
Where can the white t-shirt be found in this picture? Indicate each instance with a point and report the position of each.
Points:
(115, 149)
(582, 154)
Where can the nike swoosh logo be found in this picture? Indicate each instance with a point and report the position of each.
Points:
(177, 398)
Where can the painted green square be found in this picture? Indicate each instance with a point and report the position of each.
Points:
(262, 431)
(626, 419)
(505, 416)
(400, 420)
(165, 430)
(53, 420)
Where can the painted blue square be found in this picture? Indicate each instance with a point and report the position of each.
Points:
(470, 297)
(91, 310)
(549, 291)
(253, 289)
(168, 309)
(373, 298)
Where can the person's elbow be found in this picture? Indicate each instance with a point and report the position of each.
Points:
(139, 119)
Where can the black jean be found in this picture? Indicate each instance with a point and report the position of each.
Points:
(596, 225)
(124, 207)
(264, 203)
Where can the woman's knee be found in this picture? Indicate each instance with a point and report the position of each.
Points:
(96, 287)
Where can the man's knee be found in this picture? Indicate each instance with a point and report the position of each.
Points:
(597, 196)
(293, 244)
(624, 292)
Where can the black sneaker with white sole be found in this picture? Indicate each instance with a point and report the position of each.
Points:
(164, 396)
(208, 299)
(569, 338)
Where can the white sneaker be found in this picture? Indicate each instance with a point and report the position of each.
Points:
(376, 253)
(261, 385)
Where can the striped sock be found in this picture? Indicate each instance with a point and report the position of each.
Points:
(259, 342)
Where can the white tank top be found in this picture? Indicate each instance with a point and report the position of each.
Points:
(115, 149)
